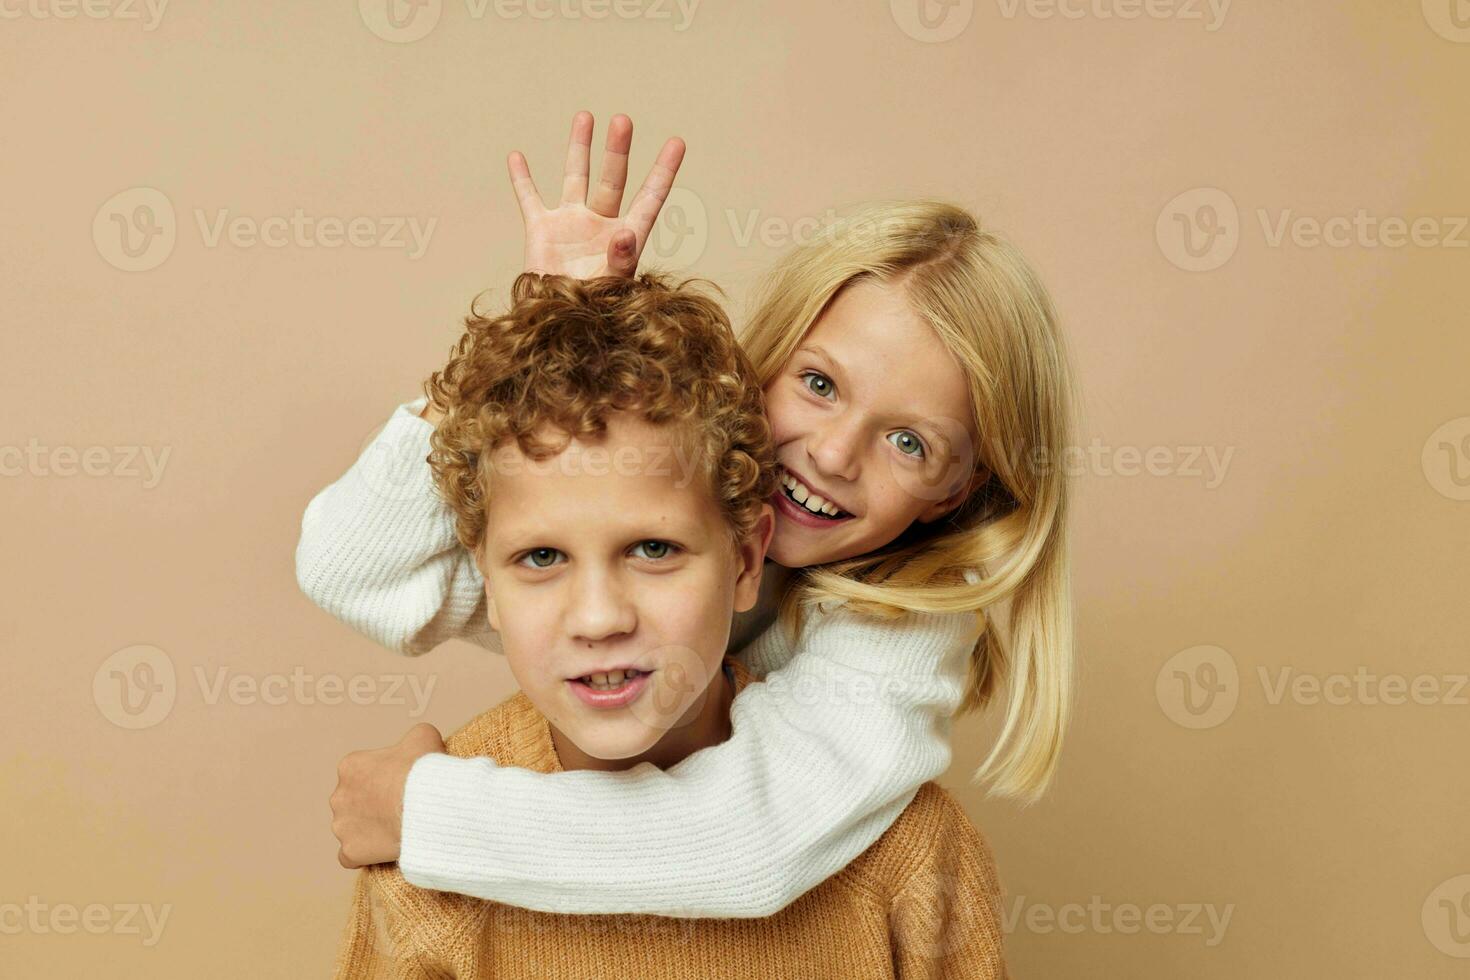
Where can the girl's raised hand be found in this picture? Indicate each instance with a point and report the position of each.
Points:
(583, 236)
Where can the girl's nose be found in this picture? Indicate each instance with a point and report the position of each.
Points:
(834, 450)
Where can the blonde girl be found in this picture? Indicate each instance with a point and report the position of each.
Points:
(917, 390)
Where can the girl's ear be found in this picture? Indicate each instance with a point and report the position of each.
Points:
(940, 508)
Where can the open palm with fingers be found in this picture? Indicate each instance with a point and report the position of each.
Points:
(583, 236)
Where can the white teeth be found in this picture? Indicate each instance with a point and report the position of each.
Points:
(611, 680)
(811, 501)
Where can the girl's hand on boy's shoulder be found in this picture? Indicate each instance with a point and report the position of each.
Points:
(367, 806)
(582, 236)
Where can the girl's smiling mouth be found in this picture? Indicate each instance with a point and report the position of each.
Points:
(798, 501)
(804, 497)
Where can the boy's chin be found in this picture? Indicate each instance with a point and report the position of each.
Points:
(614, 742)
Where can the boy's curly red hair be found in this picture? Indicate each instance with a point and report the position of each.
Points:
(568, 353)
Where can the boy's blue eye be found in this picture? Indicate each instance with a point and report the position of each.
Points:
(546, 557)
(658, 549)
(822, 385)
(908, 444)
(536, 555)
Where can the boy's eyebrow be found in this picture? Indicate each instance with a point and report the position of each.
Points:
(519, 539)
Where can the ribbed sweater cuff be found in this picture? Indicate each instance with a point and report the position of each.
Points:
(445, 799)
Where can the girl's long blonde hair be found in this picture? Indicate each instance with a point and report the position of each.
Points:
(995, 317)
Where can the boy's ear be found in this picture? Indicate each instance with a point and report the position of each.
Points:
(490, 608)
(751, 554)
(479, 554)
(938, 509)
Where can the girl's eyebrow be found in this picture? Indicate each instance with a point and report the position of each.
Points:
(935, 433)
(819, 352)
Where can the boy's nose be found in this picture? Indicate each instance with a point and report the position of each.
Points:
(600, 608)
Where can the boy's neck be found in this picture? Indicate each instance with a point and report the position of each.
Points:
(710, 727)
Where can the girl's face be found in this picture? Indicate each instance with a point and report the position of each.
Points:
(872, 416)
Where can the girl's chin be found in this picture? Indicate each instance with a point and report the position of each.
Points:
(796, 556)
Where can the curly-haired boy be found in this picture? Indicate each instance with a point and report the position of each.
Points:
(605, 453)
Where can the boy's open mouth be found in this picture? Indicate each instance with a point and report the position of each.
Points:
(612, 680)
(613, 689)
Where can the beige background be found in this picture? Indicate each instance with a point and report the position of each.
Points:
(1333, 543)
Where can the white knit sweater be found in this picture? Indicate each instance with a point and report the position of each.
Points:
(822, 757)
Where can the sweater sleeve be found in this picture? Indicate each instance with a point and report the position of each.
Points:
(378, 549)
(947, 917)
(366, 951)
(822, 758)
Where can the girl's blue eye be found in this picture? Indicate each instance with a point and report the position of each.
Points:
(908, 444)
(536, 555)
(821, 385)
(821, 380)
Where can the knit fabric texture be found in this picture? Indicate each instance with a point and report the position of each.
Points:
(922, 901)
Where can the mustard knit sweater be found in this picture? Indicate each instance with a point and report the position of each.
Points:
(922, 901)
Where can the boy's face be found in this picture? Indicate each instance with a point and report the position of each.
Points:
(609, 556)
